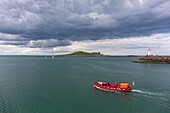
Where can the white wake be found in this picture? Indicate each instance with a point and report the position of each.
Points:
(146, 92)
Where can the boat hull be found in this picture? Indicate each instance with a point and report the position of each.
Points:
(112, 88)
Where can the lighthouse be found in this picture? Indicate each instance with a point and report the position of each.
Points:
(149, 52)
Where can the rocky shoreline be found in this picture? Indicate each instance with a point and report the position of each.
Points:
(154, 60)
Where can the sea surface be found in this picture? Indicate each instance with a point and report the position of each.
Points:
(65, 85)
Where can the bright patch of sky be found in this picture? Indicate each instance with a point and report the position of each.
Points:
(36, 27)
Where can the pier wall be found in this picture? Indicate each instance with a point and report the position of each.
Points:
(154, 59)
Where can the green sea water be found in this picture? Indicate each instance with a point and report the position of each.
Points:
(65, 85)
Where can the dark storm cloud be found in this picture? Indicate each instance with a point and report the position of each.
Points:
(48, 43)
(16, 43)
(83, 19)
(38, 43)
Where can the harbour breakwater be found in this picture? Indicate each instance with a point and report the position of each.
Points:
(154, 59)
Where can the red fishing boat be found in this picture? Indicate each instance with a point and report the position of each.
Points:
(123, 87)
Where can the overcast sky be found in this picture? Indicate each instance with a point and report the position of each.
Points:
(114, 27)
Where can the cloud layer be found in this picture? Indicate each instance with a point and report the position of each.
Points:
(48, 24)
(80, 20)
(121, 46)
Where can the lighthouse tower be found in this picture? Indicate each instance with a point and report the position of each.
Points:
(149, 52)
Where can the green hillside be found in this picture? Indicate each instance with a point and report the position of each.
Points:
(82, 53)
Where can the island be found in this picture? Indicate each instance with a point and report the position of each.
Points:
(154, 59)
(82, 53)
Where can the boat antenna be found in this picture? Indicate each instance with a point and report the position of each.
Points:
(133, 83)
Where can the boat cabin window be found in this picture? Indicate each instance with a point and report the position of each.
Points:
(105, 84)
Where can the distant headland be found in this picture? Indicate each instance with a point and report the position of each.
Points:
(154, 59)
(82, 53)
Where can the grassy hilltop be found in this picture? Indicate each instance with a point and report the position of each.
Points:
(82, 53)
